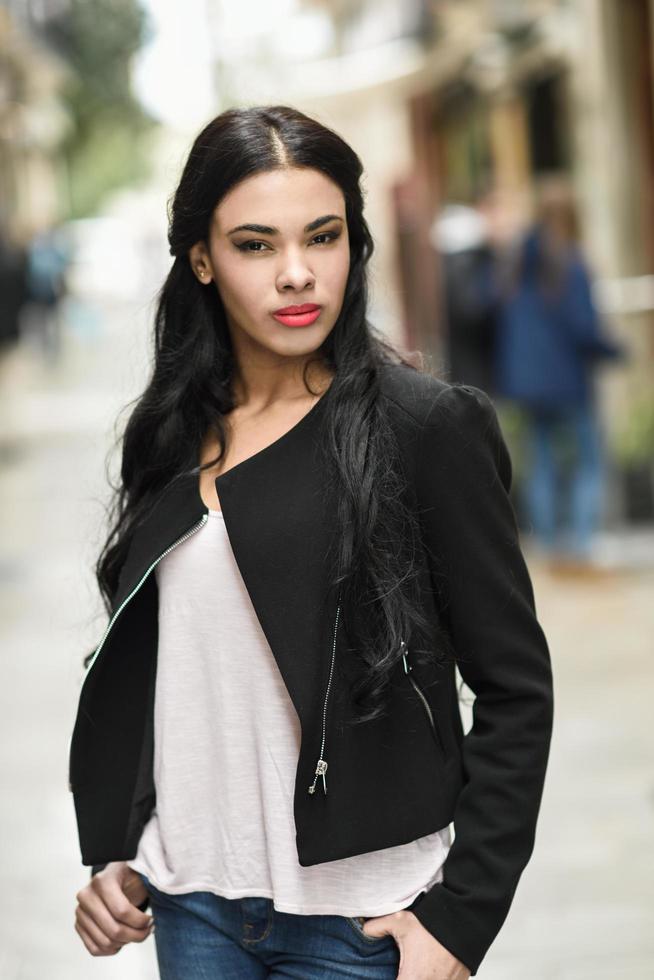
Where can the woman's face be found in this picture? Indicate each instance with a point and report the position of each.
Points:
(294, 252)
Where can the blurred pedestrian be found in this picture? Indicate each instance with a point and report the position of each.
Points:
(549, 341)
(460, 236)
(13, 289)
(268, 746)
(48, 258)
(473, 240)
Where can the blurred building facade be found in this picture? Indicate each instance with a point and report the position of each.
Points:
(33, 124)
(33, 120)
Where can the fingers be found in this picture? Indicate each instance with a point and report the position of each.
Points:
(119, 906)
(102, 935)
(106, 920)
(109, 918)
(95, 941)
(108, 888)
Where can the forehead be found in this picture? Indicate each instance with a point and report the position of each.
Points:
(286, 198)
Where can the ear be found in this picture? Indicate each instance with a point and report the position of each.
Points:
(199, 259)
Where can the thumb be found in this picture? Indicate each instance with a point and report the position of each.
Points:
(133, 887)
(377, 927)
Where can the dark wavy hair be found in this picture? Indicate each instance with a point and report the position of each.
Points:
(189, 393)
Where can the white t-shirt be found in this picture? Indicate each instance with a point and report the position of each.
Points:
(226, 744)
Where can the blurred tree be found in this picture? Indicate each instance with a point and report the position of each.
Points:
(108, 143)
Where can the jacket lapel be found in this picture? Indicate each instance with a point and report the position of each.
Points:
(276, 514)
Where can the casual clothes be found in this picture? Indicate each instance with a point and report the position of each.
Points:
(227, 739)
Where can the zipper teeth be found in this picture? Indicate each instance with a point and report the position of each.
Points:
(191, 531)
(434, 726)
(329, 684)
(424, 701)
(324, 707)
(423, 698)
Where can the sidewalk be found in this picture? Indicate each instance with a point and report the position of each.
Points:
(585, 904)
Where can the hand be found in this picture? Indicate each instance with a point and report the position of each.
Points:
(107, 916)
(422, 957)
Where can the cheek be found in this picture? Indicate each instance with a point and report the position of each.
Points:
(334, 273)
(239, 284)
(343, 266)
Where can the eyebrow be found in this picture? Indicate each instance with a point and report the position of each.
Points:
(268, 230)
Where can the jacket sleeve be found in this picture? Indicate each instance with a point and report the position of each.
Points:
(463, 478)
(582, 319)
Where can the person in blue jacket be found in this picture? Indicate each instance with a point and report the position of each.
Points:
(549, 339)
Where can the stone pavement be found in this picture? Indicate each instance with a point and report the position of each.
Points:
(585, 905)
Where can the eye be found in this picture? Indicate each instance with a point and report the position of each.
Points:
(245, 246)
(251, 246)
(331, 236)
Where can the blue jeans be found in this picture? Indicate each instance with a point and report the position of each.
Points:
(564, 513)
(201, 936)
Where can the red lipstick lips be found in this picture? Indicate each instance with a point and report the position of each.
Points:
(298, 316)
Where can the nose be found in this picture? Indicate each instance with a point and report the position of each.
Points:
(295, 273)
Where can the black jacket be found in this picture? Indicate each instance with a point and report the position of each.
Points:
(413, 772)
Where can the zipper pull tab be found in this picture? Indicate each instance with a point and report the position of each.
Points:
(321, 769)
(405, 654)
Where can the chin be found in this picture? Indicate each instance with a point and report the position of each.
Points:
(298, 341)
(297, 350)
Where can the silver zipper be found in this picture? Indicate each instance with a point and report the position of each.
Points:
(191, 531)
(321, 767)
(419, 692)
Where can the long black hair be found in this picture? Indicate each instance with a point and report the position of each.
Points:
(189, 392)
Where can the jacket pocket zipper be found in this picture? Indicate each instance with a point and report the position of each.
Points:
(422, 696)
(321, 767)
(187, 534)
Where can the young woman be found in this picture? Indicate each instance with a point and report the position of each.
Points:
(309, 535)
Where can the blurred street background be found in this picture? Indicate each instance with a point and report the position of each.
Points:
(508, 148)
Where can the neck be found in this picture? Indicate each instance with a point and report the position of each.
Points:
(261, 382)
